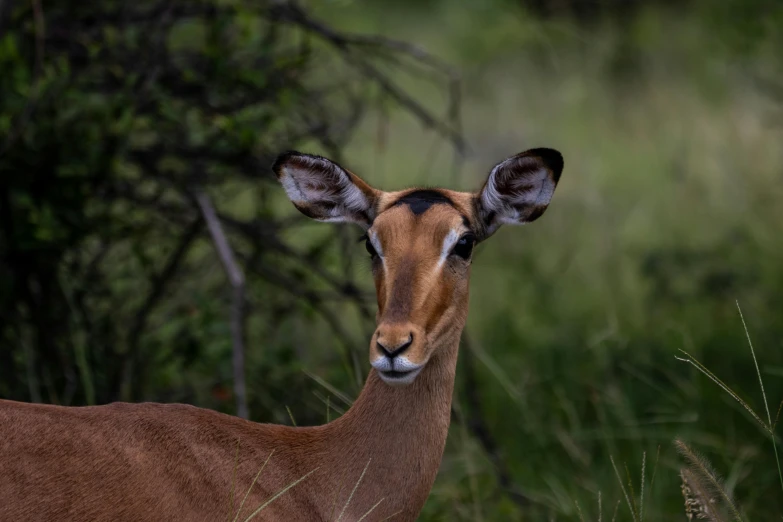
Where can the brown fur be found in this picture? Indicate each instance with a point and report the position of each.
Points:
(413, 295)
(174, 462)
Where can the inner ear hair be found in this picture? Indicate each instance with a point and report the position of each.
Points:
(323, 190)
(518, 189)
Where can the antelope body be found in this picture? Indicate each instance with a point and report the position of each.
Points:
(378, 461)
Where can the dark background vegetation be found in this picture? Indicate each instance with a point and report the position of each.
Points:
(147, 254)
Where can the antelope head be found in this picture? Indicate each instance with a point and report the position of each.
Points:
(420, 242)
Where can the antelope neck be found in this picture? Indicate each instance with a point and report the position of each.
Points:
(381, 407)
(400, 431)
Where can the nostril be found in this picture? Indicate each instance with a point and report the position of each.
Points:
(405, 345)
(383, 349)
(391, 354)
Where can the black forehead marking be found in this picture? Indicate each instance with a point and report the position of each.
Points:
(421, 200)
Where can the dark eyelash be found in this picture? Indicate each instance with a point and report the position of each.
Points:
(364, 237)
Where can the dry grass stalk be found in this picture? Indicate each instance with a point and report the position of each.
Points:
(705, 486)
(699, 503)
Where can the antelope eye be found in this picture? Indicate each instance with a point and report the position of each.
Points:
(370, 248)
(464, 246)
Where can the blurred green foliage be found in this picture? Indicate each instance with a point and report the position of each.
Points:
(113, 115)
(667, 213)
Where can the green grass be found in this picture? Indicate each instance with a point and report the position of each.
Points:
(667, 212)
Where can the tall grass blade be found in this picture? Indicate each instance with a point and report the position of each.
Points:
(625, 493)
(616, 509)
(331, 389)
(252, 484)
(641, 494)
(279, 494)
(579, 511)
(703, 369)
(332, 407)
(506, 382)
(336, 497)
(764, 395)
(600, 510)
(391, 516)
(371, 510)
(233, 483)
(655, 467)
(631, 492)
(355, 487)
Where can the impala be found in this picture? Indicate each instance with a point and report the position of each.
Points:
(378, 461)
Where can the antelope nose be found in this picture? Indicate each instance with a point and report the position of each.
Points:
(392, 349)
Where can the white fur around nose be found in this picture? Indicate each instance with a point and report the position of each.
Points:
(401, 364)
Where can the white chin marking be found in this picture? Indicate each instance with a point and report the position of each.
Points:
(401, 372)
(399, 378)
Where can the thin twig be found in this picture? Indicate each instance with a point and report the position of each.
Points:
(345, 43)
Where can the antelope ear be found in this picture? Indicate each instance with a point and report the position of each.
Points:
(518, 189)
(323, 190)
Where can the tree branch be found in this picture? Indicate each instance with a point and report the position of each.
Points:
(237, 280)
(289, 12)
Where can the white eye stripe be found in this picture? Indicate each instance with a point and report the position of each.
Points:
(449, 241)
(376, 243)
(448, 244)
